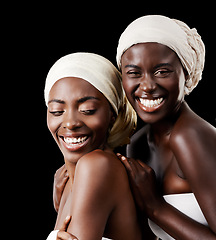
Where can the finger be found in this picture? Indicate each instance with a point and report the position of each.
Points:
(129, 164)
(65, 224)
(61, 172)
(133, 163)
(60, 180)
(65, 236)
(144, 166)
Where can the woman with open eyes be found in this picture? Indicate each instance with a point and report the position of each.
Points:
(161, 61)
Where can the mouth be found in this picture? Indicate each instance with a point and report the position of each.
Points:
(74, 143)
(149, 105)
(74, 140)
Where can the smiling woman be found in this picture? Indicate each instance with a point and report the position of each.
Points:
(162, 60)
(153, 85)
(88, 115)
(78, 122)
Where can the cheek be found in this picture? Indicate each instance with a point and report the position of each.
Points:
(100, 125)
(129, 87)
(52, 124)
(177, 88)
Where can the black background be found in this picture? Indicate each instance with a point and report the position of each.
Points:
(36, 35)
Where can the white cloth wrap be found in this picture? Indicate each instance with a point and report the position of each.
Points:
(176, 35)
(53, 236)
(93, 68)
(185, 203)
(103, 75)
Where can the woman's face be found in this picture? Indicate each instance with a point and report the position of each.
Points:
(78, 117)
(153, 79)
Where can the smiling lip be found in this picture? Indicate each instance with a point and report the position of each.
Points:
(150, 105)
(74, 143)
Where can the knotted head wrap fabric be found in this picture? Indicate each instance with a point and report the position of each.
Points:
(176, 35)
(102, 74)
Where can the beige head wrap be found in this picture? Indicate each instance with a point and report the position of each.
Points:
(172, 33)
(102, 74)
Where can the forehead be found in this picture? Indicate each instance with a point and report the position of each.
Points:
(71, 87)
(148, 53)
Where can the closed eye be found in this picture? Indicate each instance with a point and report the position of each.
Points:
(56, 113)
(88, 111)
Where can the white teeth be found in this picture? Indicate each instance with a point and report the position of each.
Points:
(73, 140)
(151, 103)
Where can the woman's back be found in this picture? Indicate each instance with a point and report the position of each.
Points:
(99, 200)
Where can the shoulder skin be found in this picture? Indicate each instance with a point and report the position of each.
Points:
(193, 142)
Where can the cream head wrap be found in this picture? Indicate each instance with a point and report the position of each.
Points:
(176, 35)
(102, 74)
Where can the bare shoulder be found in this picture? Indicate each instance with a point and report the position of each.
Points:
(102, 167)
(193, 132)
(99, 159)
(193, 142)
(97, 189)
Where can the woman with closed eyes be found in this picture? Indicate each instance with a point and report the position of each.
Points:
(88, 115)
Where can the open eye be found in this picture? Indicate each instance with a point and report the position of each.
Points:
(162, 73)
(133, 74)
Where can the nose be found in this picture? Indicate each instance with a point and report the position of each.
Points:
(147, 84)
(71, 121)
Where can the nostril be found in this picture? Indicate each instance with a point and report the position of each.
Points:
(148, 86)
(72, 124)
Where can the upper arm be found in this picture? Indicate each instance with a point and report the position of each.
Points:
(93, 197)
(195, 151)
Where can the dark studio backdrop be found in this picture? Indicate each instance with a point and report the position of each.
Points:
(40, 35)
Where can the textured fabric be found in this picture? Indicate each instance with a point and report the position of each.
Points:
(102, 74)
(172, 33)
(185, 203)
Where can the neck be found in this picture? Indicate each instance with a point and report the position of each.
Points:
(164, 127)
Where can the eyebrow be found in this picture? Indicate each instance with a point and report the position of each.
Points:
(132, 66)
(84, 99)
(155, 67)
(81, 100)
(57, 101)
(162, 65)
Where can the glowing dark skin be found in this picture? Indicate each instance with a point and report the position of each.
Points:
(180, 151)
(176, 148)
(97, 195)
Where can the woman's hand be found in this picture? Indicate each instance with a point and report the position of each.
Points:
(62, 233)
(60, 180)
(143, 183)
